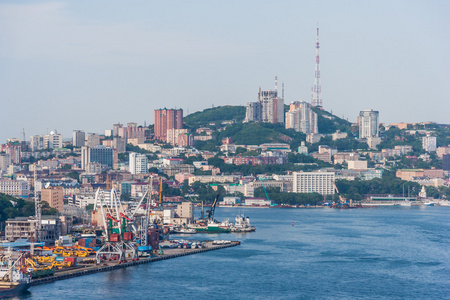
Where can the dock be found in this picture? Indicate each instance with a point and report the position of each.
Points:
(86, 269)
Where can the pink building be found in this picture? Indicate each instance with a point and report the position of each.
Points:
(166, 119)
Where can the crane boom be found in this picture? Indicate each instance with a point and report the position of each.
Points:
(213, 208)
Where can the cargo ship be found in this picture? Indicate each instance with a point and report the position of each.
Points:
(13, 280)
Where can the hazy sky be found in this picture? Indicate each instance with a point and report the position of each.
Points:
(85, 65)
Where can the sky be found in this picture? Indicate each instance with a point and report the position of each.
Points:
(85, 65)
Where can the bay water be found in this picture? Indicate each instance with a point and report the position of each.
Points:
(323, 253)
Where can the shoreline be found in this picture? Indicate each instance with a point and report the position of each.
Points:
(108, 266)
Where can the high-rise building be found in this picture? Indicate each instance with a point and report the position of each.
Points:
(429, 143)
(314, 182)
(166, 119)
(268, 109)
(5, 161)
(116, 128)
(132, 131)
(92, 140)
(446, 162)
(98, 154)
(368, 124)
(252, 112)
(54, 196)
(300, 117)
(54, 140)
(78, 139)
(138, 163)
(103, 155)
(85, 157)
(120, 144)
(37, 142)
(14, 149)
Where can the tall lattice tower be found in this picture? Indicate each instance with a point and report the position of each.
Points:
(316, 91)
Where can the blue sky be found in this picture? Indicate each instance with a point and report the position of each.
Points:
(85, 65)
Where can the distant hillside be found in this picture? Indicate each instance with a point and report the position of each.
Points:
(216, 115)
(260, 133)
(329, 123)
(256, 133)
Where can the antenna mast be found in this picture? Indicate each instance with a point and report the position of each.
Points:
(316, 96)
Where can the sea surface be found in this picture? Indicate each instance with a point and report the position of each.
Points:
(324, 253)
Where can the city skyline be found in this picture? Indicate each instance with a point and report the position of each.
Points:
(68, 66)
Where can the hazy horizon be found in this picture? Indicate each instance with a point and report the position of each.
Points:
(86, 65)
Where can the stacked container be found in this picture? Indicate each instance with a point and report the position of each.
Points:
(114, 237)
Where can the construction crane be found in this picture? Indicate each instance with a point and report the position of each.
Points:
(160, 192)
(262, 183)
(342, 199)
(210, 213)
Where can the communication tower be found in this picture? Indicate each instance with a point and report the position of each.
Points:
(316, 97)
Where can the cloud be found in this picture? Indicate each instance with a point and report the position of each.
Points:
(48, 31)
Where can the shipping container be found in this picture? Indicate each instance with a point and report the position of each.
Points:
(128, 236)
(59, 258)
(115, 237)
(73, 260)
(144, 248)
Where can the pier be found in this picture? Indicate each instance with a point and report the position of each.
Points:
(86, 269)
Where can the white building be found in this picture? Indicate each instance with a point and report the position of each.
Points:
(14, 187)
(54, 140)
(78, 138)
(300, 117)
(138, 163)
(357, 164)
(368, 123)
(257, 202)
(429, 143)
(314, 182)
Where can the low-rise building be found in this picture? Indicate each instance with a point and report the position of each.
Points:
(25, 228)
(14, 188)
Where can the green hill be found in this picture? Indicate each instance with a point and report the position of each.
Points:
(256, 133)
(329, 123)
(215, 115)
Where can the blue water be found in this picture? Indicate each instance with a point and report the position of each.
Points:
(383, 253)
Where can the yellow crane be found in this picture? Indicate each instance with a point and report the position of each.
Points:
(342, 199)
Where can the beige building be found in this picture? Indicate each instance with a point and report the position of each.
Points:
(54, 197)
(25, 228)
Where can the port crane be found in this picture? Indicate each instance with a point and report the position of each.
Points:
(210, 213)
(112, 211)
